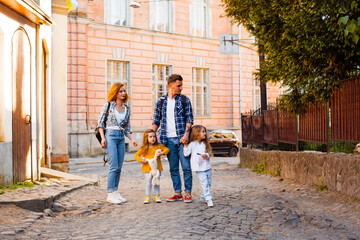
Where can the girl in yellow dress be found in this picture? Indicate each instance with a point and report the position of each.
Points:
(147, 151)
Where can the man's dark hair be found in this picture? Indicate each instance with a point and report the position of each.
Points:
(174, 78)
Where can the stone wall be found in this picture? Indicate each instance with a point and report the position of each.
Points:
(338, 171)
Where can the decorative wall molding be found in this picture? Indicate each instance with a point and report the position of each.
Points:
(163, 57)
(200, 61)
(118, 53)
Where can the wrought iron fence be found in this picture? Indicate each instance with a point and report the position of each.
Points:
(341, 114)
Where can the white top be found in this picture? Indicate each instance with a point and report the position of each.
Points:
(120, 115)
(170, 118)
(196, 149)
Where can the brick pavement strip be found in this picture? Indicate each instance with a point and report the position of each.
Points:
(247, 206)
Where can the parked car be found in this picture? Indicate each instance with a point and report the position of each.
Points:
(357, 148)
(224, 142)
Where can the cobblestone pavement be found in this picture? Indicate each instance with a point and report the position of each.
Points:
(247, 206)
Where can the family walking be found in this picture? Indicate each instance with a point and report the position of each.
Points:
(182, 142)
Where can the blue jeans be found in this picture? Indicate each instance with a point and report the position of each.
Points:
(205, 182)
(149, 185)
(175, 156)
(115, 150)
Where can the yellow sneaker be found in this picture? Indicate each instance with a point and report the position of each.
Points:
(157, 198)
(147, 199)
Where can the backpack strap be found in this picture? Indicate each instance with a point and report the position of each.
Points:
(106, 114)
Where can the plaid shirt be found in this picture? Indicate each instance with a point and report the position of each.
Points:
(182, 116)
(111, 119)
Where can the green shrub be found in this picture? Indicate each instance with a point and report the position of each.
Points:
(321, 187)
(260, 168)
(17, 185)
(354, 198)
(276, 173)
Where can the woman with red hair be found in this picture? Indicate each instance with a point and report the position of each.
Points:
(113, 136)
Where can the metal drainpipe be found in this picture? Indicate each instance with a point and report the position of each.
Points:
(240, 85)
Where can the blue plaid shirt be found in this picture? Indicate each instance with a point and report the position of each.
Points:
(182, 116)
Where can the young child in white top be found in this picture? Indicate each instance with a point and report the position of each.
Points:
(200, 151)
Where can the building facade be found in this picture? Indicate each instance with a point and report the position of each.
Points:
(110, 41)
(27, 106)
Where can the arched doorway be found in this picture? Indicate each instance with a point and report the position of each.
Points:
(21, 75)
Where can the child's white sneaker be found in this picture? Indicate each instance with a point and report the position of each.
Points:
(210, 203)
(118, 196)
(112, 198)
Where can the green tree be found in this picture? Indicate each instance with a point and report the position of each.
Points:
(350, 24)
(305, 44)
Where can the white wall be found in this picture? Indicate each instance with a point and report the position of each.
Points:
(59, 85)
(59, 79)
(10, 21)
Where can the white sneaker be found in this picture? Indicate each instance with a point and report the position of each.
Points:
(210, 203)
(112, 198)
(118, 196)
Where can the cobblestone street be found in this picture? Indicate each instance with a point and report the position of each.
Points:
(246, 206)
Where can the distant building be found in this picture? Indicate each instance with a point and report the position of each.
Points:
(31, 99)
(110, 41)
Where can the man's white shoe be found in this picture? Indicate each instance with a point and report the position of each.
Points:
(112, 198)
(210, 203)
(118, 196)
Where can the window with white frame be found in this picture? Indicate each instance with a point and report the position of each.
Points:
(201, 92)
(117, 71)
(160, 15)
(200, 20)
(116, 12)
(160, 75)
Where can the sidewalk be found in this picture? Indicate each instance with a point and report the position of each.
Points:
(129, 157)
(52, 185)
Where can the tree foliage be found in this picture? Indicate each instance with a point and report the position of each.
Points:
(306, 44)
(350, 24)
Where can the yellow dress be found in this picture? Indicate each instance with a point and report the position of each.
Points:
(150, 154)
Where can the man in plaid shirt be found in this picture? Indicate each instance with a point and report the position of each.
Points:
(173, 112)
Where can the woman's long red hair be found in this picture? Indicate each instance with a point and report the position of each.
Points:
(114, 90)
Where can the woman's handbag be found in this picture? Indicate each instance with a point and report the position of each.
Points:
(97, 132)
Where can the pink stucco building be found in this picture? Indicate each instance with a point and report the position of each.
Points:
(109, 41)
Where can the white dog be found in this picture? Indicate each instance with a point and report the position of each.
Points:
(154, 172)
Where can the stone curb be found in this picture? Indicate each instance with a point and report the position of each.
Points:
(37, 202)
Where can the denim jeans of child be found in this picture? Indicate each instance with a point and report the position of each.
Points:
(205, 182)
(175, 156)
(115, 150)
(149, 185)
